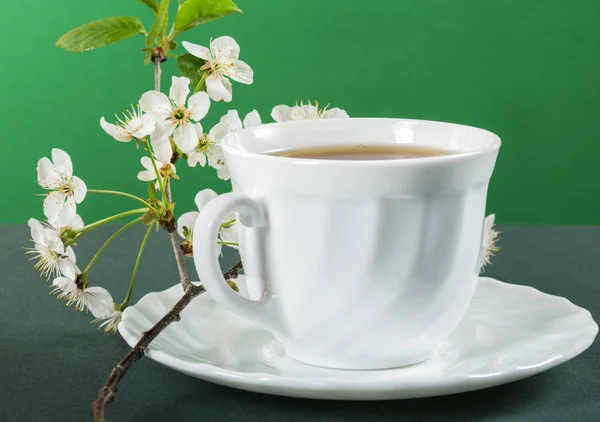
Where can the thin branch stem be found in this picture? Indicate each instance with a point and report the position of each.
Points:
(228, 223)
(135, 268)
(157, 73)
(161, 181)
(116, 192)
(107, 394)
(200, 82)
(108, 242)
(184, 277)
(95, 225)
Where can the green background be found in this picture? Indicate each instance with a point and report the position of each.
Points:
(528, 70)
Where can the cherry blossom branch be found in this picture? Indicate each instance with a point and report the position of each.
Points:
(107, 393)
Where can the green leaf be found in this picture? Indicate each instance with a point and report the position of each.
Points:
(189, 66)
(100, 33)
(148, 58)
(162, 18)
(152, 4)
(171, 45)
(195, 12)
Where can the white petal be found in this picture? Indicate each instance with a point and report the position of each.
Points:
(204, 197)
(71, 254)
(231, 121)
(147, 127)
(110, 322)
(115, 131)
(225, 47)
(252, 119)
(162, 129)
(230, 234)
(304, 112)
(53, 206)
(76, 223)
(79, 189)
(53, 242)
(198, 105)
(241, 72)
(218, 132)
(147, 163)
(196, 158)
(146, 175)
(99, 301)
(488, 223)
(186, 137)
(282, 113)
(156, 103)
(216, 156)
(62, 162)
(218, 88)
(199, 129)
(196, 50)
(162, 150)
(335, 113)
(64, 284)
(47, 175)
(68, 212)
(51, 235)
(37, 231)
(180, 89)
(68, 268)
(223, 172)
(188, 220)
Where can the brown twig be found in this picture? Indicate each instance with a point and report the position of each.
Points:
(107, 393)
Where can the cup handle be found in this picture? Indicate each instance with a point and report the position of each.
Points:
(208, 223)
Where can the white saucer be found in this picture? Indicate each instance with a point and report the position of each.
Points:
(510, 332)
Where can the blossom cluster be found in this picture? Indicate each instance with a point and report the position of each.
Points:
(170, 128)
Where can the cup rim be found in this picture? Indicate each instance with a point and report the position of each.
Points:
(456, 156)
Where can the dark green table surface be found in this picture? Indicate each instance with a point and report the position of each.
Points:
(53, 361)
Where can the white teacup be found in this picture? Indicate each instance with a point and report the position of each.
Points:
(353, 264)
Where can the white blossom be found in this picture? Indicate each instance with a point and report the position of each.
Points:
(134, 124)
(221, 63)
(283, 113)
(488, 243)
(49, 250)
(206, 146)
(96, 299)
(162, 153)
(65, 190)
(173, 116)
(110, 322)
(209, 147)
(228, 232)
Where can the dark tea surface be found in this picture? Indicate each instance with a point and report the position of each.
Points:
(362, 152)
